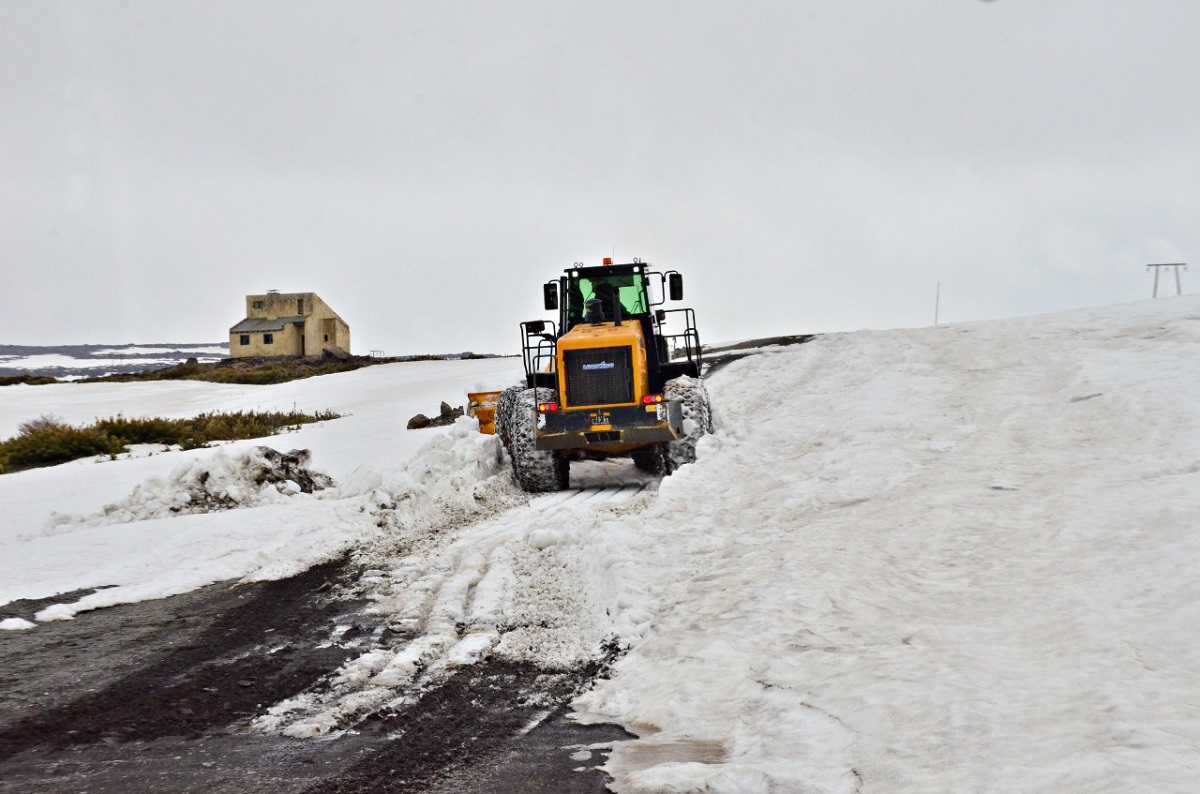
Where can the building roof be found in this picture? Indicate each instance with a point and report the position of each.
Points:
(251, 324)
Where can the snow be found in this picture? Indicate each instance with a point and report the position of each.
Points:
(191, 350)
(93, 524)
(60, 361)
(959, 558)
(46, 361)
(16, 624)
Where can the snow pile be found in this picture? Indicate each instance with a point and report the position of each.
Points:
(458, 476)
(961, 559)
(223, 481)
(16, 624)
(453, 472)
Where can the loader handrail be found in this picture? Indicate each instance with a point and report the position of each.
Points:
(686, 341)
(538, 346)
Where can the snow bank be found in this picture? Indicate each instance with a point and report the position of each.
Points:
(131, 527)
(222, 481)
(958, 559)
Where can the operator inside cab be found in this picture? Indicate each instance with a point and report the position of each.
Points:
(599, 308)
(592, 311)
(605, 291)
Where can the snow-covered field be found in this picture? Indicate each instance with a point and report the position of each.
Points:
(937, 560)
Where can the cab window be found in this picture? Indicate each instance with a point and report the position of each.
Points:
(630, 290)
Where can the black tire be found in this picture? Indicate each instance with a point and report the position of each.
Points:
(504, 409)
(697, 419)
(652, 459)
(536, 471)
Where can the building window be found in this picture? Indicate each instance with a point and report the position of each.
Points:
(268, 339)
(300, 306)
(245, 339)
(258, 304)
(326, 337)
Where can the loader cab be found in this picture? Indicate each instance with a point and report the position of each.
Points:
(593, 297)
(616, 289)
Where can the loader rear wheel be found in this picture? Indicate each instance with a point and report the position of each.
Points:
(504, 409)
(652, 459)
(535, 470)
(697, 419)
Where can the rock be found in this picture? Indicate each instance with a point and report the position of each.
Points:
(290, 467)
(446, 416)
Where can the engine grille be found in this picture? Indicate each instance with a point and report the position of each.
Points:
(602, 376)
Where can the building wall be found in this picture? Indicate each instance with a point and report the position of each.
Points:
(279, 304)
(326, 332)
(285, 342)
(321, 328)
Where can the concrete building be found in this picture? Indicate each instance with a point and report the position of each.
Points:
(287, 324)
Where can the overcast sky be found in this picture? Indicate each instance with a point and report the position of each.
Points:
(424, 167)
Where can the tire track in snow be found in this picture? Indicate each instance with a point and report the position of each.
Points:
(607, 495)
(510, 586)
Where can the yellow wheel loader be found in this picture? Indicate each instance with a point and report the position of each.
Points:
(614, 376)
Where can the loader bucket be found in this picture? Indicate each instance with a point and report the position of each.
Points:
(482, 406)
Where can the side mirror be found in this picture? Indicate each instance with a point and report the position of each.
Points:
(534, 326)
(660, 315)
(550, 295)
(675, 286)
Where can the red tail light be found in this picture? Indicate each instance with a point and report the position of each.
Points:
(650, 399)
(547, 408)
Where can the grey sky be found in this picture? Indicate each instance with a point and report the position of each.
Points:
(809, 166)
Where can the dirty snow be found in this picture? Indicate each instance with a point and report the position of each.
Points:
(944, 559)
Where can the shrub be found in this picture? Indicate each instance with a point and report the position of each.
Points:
(241, 371)
(43, 422)
(28, 380)
(53, 444)
(47, 441)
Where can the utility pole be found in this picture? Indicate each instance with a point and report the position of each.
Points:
(937, 299)
(1157, 270)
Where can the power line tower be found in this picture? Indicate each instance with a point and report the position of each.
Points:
(1158, 269)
